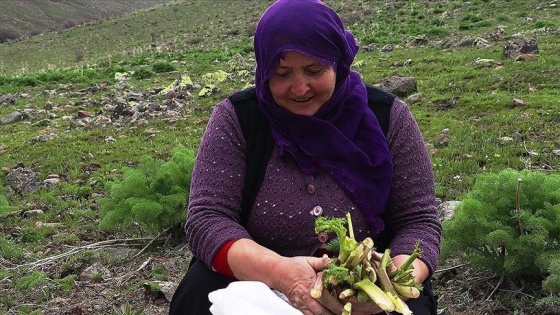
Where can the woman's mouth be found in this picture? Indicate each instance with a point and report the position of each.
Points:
(302, 100)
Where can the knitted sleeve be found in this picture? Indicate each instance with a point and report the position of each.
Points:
(411, 212)
(216, 185)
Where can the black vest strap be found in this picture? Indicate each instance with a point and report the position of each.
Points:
(260, 144)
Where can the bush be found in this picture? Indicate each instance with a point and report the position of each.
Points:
(68, 24)
(154, 195)
(8, 250)
(78, 55)
(32, 280)
(8, 35)
(142, 73)
(161, 67)
(510, 223)
(5, 206)
(545, 23)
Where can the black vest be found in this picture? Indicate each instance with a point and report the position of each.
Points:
(260, 144)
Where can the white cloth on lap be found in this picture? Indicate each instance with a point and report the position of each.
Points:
(250, 298)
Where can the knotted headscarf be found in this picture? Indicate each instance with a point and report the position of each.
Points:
(343, 138)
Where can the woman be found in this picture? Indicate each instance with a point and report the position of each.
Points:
(329, 156)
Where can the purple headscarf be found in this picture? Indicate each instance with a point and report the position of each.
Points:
(343, 137)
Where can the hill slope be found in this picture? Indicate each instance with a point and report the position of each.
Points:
(34, 17)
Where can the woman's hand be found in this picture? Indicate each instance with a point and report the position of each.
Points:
(420, 272)
(296, 278)
(293, 276)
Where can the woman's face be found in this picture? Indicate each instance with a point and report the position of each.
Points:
(301, 84)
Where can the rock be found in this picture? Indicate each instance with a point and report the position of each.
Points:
(43, 138)
(7, 99)
(166, 288)
(414, 98)
(441, 140)
(399, 85)
(131, 96)
(505, 139)
(23, 179)
(486, 63)
(446, 210)
(42, 123)
(521, 45)
(51, 181)
(370, 47)
(33, 213)
(421, 40)
(526, 57)
(518, 102)
(388, 48)
(83, 114)
(95, 271)
(39, 225)
(13, 117)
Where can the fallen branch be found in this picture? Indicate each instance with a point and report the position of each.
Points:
(122, 279)
(151, 242)
(496, 287)
(76, 250)
(451, 268)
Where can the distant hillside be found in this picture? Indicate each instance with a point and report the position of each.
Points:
(30, 17)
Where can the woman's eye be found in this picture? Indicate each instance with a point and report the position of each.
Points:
(281, 74)
(314, 72)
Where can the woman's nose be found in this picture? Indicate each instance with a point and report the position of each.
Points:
(300, 86)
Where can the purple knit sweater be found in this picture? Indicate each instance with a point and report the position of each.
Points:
(285, 209)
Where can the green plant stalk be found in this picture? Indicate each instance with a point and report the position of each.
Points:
(407, 264)
(347, 293)
(347, 310)
(350, 226)
(400, 305)
(359, 254)
(406, 291)
(336, 225)
(375, 294)
(385, 282)
(317, 289)
(386, 259)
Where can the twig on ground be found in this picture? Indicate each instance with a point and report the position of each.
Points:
(496, 287)
(75, 250)
(150, 243)
(451, 268)
(519, 292)
(4, 262)
(122, 279)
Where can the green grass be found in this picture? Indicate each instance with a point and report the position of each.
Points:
(200, 37)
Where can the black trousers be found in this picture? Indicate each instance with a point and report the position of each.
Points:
(191, 296)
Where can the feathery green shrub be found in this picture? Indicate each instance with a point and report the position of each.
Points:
(163, 66)
(510, 223)
(154, 195)
(142, 73)
(4, 205)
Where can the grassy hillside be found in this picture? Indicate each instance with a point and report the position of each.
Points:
(78, 124)
(36, 17)
(175, 27)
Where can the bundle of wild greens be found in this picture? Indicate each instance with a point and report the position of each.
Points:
(356, 271)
